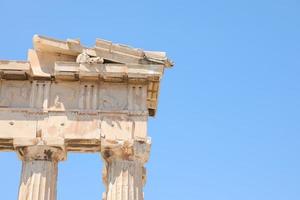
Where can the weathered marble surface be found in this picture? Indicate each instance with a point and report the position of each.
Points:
(68, 97)
(39, 172)
(124, 174)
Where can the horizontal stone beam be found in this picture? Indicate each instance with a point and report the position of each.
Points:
(70, 47)
(76, 71)
(81, 132)
(79, 96)
(104, 49)
(63, 70)
(70, 145)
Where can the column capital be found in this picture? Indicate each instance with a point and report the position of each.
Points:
(138, 149)
(42, 152)
(39, 149)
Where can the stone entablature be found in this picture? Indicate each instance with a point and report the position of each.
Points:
(68, 97)
(57, 60)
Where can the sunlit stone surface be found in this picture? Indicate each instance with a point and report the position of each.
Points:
(71, 98)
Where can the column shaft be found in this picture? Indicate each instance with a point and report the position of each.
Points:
(38, 180)
(39, 171)
(125, 180)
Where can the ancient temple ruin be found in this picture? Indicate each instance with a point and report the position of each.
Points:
(71, 98)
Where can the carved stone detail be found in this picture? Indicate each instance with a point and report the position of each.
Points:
(39, 172)
(86, 58)
(41, 152)
(70, 98)
(88, 96)
(124, 175)
(126, 150)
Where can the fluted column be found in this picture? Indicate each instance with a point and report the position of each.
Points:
(39, 172)
(124, 173)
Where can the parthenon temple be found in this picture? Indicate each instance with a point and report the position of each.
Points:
(70, 98)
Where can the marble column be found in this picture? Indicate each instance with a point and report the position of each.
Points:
(124, 173)
(39, 172)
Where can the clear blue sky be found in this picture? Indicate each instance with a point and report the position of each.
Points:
(228, 125)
